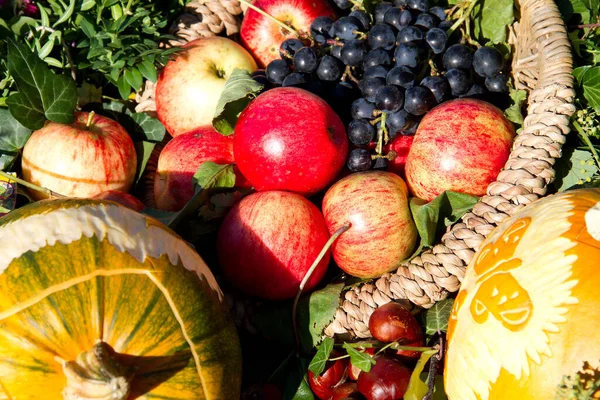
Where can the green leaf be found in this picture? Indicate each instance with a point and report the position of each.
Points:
(88, 28)
(239, 90)
(143, 151)
(67, 14)
(590, 82)
(124, 87)
(492, 18)
(579, 72)
(417, 387)
(211, 175)
(13, 137)
(148, 70)
(134, 78)
(437, 317)
(42, 95)
(317, 364)
(514, 113)
(148, 128)
(574, 8)
(87, 5)
(432, 218)
(575, 168)
(360, 359)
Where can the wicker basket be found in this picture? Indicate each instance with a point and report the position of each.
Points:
(542, 65)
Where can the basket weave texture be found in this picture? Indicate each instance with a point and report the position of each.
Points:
(542, 65)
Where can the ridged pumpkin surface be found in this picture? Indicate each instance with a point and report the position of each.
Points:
(527, 313)
(74, 271)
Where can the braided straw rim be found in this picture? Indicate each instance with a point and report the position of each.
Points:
(542, 65)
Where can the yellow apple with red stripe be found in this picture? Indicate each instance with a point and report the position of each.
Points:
(461, 145)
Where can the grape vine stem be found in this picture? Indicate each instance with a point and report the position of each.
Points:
(464, 16)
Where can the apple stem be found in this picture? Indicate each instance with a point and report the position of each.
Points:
(30, 185)
(309, 273)
(90, 118)
(262, 12)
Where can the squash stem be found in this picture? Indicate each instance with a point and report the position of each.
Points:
(30, 185)
(309, 273)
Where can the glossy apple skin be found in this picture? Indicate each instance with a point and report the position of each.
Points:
(268, 241)
(123, 198)
(79, 161)
(290, 139)
(460, 145)
(181, 158)
(383, 232)
(190, 85)
(401, 145)
(262, 37)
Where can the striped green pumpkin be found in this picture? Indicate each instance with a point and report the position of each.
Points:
(99, 301)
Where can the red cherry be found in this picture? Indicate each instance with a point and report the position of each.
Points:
(394, 323)
(335, 374)
(387, 380)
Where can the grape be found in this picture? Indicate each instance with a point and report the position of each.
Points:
(460, 81)
(389, 98)
(277, 70)
(381, 163)
(475, 90)
(315, 86)
(380, 10)
(263, 81)
(445, 25)
(438, 12)
(294, 79)
(347, 28)
(421, 5)
(401, 3)
(359, 160)
(289, 47)
(487, 61)
(343, 4)
(396, 122)
(258, 72)
(406, 18)
(418, 100)
(329, 69)
(369, 87)
(436, 38)
(336, 51)
(497, 83)
(381, 36)
(361, 132)
(439, 86)
(426, 21)
(377, 57)
(401, 76)
(458, 56)
(354, 52)
(410, 34)
(322, 29)
(362, 108)
(408, 54)
(306, 60)
(363, 17)
(375, 71)
(392, 17)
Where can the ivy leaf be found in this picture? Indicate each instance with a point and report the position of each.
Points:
(492, 18)
(360, 359)
(574, 8)
(589, 80)
(317, 364)
(574, 168)
(417, 387)
(514, 112)
(239, 90)
(42, 94)
(432, 218)
(148, 128)
(212, 175)
(13, 137)
(437, 317)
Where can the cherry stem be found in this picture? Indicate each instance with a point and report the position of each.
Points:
(30, 185)
(90, 118)
(309, 273)
(272, 18)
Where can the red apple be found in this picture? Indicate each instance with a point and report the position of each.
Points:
(268, 241)
(191, 84)
(383, 232)
(290, 139)
(181, 158)
(387, 380)
(126, 199)
(262, 37)
(461, 145)
(82, 159)
(401, 146)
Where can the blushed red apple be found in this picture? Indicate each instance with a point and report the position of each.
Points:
(191, 84)
(82, 159)
(181, 158)
(461, 145)
(290, 139)
(268, 241)
(262, 37)
(383, 232)
(401, 146)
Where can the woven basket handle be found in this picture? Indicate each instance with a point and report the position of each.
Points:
(542, 65)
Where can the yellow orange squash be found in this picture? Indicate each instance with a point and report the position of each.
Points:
(99, 301)
(528, 310)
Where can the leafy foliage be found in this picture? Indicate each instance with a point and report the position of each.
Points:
(13, 137)
(437, 317)
(317, 364)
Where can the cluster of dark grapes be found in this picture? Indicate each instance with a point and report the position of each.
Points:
(382, 72)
